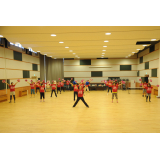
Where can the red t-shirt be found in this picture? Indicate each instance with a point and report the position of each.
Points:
(106, 83)
(110, 84)
(42, 89)
(12, 88)
(114, 88)
(80, 93)
(53, 86)
(67, 83)
(32, 86)
(149, 89)
(145, 85)
(75, 88)
(62, 84)
(37, 85)
(59, 84)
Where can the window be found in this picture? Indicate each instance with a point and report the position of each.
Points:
(154, 72)
(17, 55)
(125, 67)
(147, 65)
(34, 67)
(138, 74)
(26, 74)
(141, 60)
(96, 74)
(85, 62)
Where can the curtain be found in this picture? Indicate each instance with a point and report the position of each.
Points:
(42, 71)
(54, 69)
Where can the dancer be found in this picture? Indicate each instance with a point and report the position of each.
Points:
(37, 86)
(80, 96)
(114, 90)
(59, 86)
(53, 85)
(106, 85)
(42, 89)
(44, 85)
(149, 90)
(144, 88)
(32, 88)
(62, 86)
(109, 86)
(67, 84)
(87, 85)
(75, 86)
(12, 90)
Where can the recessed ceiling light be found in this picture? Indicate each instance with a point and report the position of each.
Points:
(66, 47)
(53, 35)
(50, 56)
(102, 57)
(103, 50)
(78, 57)
(138, 49)
(103, 53)
(144, 45)
(107, 33)
(129, 55)
(133, 52)
(153, 39)
(106, 41)
(74, 53)
(70, 51)
(45, 54)
(1, 36)
(38, 51)
(55, 58)
(61, 42)
(104, 46)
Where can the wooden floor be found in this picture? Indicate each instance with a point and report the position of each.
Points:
(132, 114)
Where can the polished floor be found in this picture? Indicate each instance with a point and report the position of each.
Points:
(132, 114)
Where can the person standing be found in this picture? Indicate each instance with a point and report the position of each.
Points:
(75, 86)
(42, 89)
(37, 86)
(67, 84)
(149, 90)
(114, 90)
(62, 86)
(144, 88)
(59, 86)
(53, 85)
(12, 90)
(110, 86)
(80, 97)
(32, 88)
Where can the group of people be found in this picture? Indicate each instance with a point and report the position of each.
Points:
(78, 89)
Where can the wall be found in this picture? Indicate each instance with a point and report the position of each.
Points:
(72, 68)
(13, 69)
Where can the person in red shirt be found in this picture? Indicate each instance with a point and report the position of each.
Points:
(53, 85)
(12, 91)
(32, 88)
(114, 90)
(59, 86)
(67, 84)
(87, 85)
(106, 84)
(42, 90)
(110, 86)
(37, 86)
(44, 85)
(80, 96)
(144, 88)
(149, 90)
(62, 86)
(75, 86)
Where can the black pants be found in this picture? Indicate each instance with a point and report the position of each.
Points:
(37, 88)
(109, 88)
(42, 95)
(78, 98)
(13, 97)
(58, 89)
(54, 92)
(75, 93)
(63, 89)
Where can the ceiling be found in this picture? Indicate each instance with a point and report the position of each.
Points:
(84, 41)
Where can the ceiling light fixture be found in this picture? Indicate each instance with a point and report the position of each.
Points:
(50, 56)
(66, 47)
(107, 33)
(45, 54)
(61, 42)
(144, 45)
(153, 39)
(74, 53)
(133, 52)
(38, 51)
(55, 58)
(104, 46)
(102, 57)
(103, 50)
(103, 53)
(70, 51)
(53, 35)
(138, 49)
(129, 55)
(1, 36)
(106, 41)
